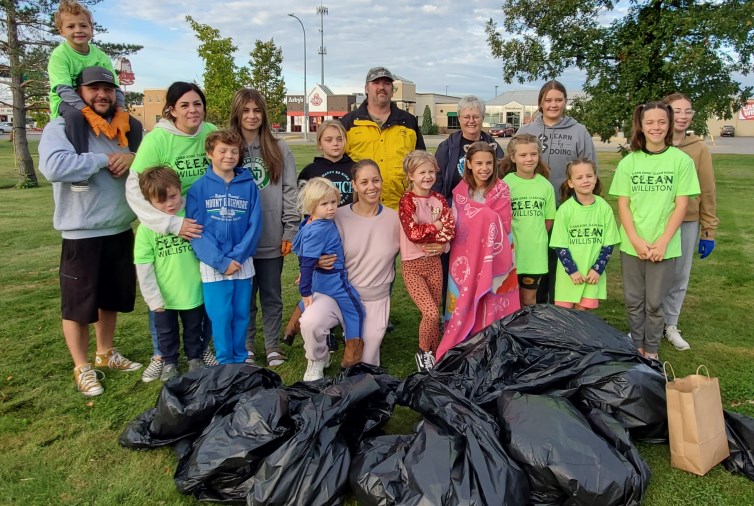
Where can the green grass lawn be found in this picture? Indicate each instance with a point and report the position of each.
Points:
(57, 447)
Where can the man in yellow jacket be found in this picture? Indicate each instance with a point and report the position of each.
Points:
(379, 130)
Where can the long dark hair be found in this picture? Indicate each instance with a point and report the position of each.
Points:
(638, 139)
(174, 94)
(271, 153)
(468, 176)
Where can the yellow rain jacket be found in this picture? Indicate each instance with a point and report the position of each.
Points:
(387, 146)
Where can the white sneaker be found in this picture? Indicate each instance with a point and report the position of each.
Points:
(424, 361)
(315, 370)
(674, 336)
(153, 370)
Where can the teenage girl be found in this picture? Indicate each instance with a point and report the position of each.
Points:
(533, 204)
(425, 218)
(271, 163)
(700, 221)
(583, 236)
(319, 236)
(335, 166)
(482, 285)
(653, 184)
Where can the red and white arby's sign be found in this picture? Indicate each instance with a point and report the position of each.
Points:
(747, 111)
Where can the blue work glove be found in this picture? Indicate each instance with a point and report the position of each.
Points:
(705, 247)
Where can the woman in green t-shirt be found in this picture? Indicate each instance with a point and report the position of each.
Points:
(653, 184)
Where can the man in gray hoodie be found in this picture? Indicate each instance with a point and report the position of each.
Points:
(97, 276)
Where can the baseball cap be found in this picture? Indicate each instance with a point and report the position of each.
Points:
(95, 74)
(377, 73)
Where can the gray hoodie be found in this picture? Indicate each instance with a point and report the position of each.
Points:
(561, 143)
(280, 216)
(102, 210)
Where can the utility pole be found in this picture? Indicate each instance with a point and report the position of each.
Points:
(322, 11)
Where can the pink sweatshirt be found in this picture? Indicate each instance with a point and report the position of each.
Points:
(370, 245)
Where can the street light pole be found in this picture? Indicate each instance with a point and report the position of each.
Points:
(446, 90)
(306, 98)
(495, 90)
(322, 11)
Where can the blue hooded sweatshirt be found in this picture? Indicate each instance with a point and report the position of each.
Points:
(231, 216)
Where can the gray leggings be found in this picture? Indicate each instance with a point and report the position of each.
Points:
(645, 286)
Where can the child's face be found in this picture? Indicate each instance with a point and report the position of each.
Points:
(583, 179)
(332, 144)
(326, 207)
(482, 167)
(172, 202)
(553, 105)
(224, 157)
(654, 125)
(251, 117)
(682, 114)
(526, 159)
(77, 30)
(423, 177)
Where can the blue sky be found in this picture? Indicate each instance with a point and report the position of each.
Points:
(435, 44)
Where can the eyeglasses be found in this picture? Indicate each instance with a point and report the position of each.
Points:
(469, 118)
(687, 112)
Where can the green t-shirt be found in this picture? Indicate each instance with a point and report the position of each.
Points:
(66, 64)
(652, 183)
(175, 265)
(584, 230)
(184, 153)
(532, 202)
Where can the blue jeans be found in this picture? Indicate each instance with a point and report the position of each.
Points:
(168, 332)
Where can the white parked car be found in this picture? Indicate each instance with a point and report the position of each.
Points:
(5, 127)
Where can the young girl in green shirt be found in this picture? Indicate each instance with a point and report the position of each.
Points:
(653, 184)
(533, 205)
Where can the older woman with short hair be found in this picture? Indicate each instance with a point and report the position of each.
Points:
(451, 153)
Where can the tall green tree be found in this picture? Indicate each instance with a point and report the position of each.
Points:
(222, 77)
(426, 127)
(27, 36)
(266, 66)
(631, 52)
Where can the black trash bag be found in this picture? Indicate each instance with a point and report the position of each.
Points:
(740, 430)
(632, 392)
(229, 451)
(311, 467)
(454, 457)
(187, 403)
(565, 460)
(535, 350)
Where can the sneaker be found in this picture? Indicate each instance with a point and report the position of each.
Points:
(390, 327)
(251, 359)
(332, 342)
(169, 371)
(315, 370)
(80, 186)
(209, 359)
(195, 364)
(87, 381)
(275, 358)
(674, 336)
(425, 361)
(114, 360)
(153, 370)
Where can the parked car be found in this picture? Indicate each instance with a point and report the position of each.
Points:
(728, 131)
(502, 130)
(5, 127)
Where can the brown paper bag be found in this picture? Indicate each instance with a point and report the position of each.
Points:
(695, 422)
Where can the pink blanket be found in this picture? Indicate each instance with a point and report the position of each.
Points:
(482, 283)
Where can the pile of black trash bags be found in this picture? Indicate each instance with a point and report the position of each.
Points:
(542, 407)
